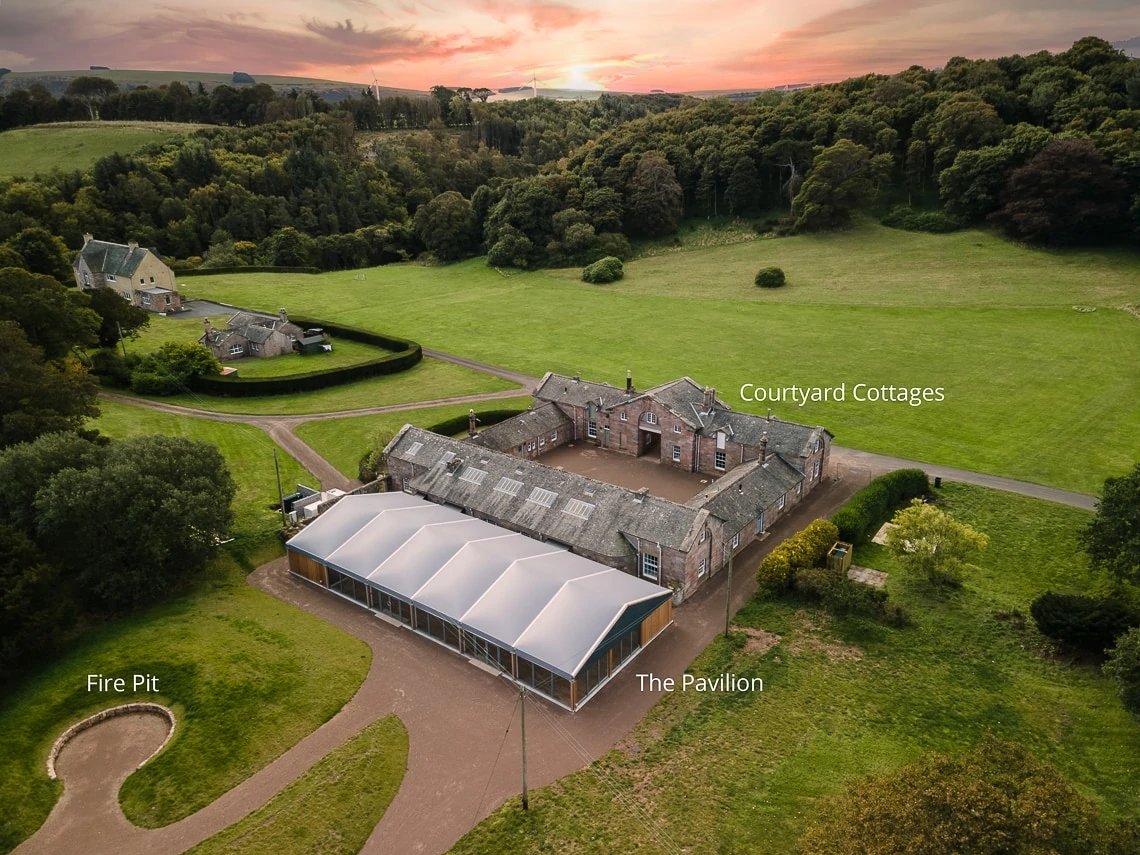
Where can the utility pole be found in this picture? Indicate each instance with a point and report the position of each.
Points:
(122, 340)
(728, 595)
(526, 798)
(280, 494)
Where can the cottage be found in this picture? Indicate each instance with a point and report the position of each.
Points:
(262, 336)
(136, 273)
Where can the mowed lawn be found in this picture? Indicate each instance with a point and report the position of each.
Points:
(248, 452)
(76, 145)
(342, 442)
(741, 773)
(247, 675)
(333, 807)
(1033, 389)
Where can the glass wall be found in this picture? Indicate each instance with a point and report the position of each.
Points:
(486, 651)
(391, 606)
(352, 588)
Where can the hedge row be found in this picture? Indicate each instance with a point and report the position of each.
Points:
(798, 552)
(452, 426)
(1088, 623)
(875, 504)
(210, 271)
(404, 354)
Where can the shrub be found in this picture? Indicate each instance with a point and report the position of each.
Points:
(803, 550)
(842, 596)
(168, 370)
(867, 510)
(934, 222)
(770, 277)
(1123, 666)
(604, 271)
(1087, 623)
(112, 369)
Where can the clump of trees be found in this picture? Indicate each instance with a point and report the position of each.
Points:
(92, 527)
(603, 271)
(929, 542)
(770, 277)
(997, 798)
(1123, 667)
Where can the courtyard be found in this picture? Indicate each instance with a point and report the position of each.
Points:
(633, 473)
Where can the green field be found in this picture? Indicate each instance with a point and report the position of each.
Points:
(330, 809)
(248, 451)
(342, 442)
(430, 379)
(741, 773)
(76, 145)
(247, 676)
(1034, 390)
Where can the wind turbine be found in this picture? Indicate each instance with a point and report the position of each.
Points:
(534, 81)
(375, 86)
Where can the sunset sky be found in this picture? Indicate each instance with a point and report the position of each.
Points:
(633, 45)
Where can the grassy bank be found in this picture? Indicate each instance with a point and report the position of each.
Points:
(1033, 389)
(342, 442)
(247, 675)
(76, 145)
(845, 698)
(330, 809)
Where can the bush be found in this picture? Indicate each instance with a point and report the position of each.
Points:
(842, 596)
(1087, 623)
(770, 277)
(405, 354)
(867, 510)
(800, 551)
(168, 370)
(1123, 666)
(113, 369)
(604, 271)
(934, 222)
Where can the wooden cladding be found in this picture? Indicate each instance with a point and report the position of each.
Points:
(657, 621)
(305, 566)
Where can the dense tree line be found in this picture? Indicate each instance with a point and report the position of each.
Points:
(1046, 147)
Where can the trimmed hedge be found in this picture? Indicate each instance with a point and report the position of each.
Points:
(1087, 623)
(603, 271)
(404, 355)
(209, 271)
(452, 426)
(867, 510)
(770, 277)
(798, 552)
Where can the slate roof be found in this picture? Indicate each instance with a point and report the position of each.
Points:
(523, 428)
(685, 397)
(786, 438)
(114, 258)
(617, 520)
(739, 496)
(576, 392)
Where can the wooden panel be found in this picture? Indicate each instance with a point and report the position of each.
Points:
(573, 694)
(656, 622)
(305, 566)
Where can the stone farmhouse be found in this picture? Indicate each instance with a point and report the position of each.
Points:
(758, 467)
(253, 335)
(138, 274)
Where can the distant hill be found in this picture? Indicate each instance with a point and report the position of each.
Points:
(56, 82)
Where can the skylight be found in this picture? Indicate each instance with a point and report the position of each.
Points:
(414, 449)
(473, 475)
(509, 486)
(576, 508)
(544, 498)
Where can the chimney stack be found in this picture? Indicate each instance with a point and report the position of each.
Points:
(628, 382)
(710, 398)
(764, 446)
(133, 244)
(281, 313)
(471, 420)
(87, 238)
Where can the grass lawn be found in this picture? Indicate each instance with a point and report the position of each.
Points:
(1034, 390)
(333, 807)
(342, 442)
(247, 675)
(76, 145)
(431, 378)
(847, 698)
(249, 453)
